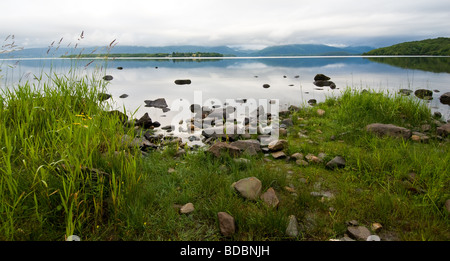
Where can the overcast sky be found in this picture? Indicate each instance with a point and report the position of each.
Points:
(248, 23)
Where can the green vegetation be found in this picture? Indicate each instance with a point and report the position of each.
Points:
(439, 46)
(64, 169)
(133, 55)
(429, 64)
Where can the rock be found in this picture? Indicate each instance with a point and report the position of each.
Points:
(445, 98)
(250, 147)
(420, 137)
(301, 162)
(120, 68)
(226, 224)
(373, 238)
(266, 85)
(313, 159)
(424, 94)
(270, 198)
(277, 145)
(158, 103)
(389, 129)
(278, 155)
(376, 227)
(405, 92)
(336, 162)
(123, 96)
(144, 121)
(249, 188)
(297, 156)
(103, 96)
(312, 102)
(358, 232)
(187, 208)
(218, 149)
(292, 228)
(123, 118)
(443, 130)
(321, 83)
(447, 205)
(182, 81)
(321, 77)
(320, 112)
(288, 122)
(107, 77)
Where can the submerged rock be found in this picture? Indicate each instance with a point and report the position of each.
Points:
(321, 77)
(445, 98)
(182, 81)
(424, 94)
(158, 103)
(266, 85)
(107, 77)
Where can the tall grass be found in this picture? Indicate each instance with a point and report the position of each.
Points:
(57, 145)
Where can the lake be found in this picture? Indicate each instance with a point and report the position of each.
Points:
(219, 82)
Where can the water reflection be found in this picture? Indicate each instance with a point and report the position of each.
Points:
(290, 79)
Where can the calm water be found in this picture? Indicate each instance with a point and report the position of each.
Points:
(290, 79)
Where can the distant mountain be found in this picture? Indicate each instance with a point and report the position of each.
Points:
(281, 50)
(310, 49)
(438, 46)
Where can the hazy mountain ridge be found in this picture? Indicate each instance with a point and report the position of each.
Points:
(281, 50)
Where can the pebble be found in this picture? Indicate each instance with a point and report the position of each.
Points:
(187, 208)
(292, 228)
(226, 224)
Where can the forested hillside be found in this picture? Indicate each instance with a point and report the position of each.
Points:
(438, 46)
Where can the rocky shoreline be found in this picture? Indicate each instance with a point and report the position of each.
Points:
(243, 145)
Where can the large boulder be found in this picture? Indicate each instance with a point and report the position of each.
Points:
(381, 129)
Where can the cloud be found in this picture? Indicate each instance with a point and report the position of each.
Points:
(231, 22)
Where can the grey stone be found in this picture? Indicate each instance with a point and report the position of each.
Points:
(443, 130)
(270, 198)
(249, 188)
(389, 129)
(336, 162)
(277, 145)
(358, 232)
(445, 98)
(219, 148)
(251, 147)
(292, 228)
(187, 208)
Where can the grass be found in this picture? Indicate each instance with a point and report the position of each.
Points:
(65, 171)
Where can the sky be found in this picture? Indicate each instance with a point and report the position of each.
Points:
(247, 24)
